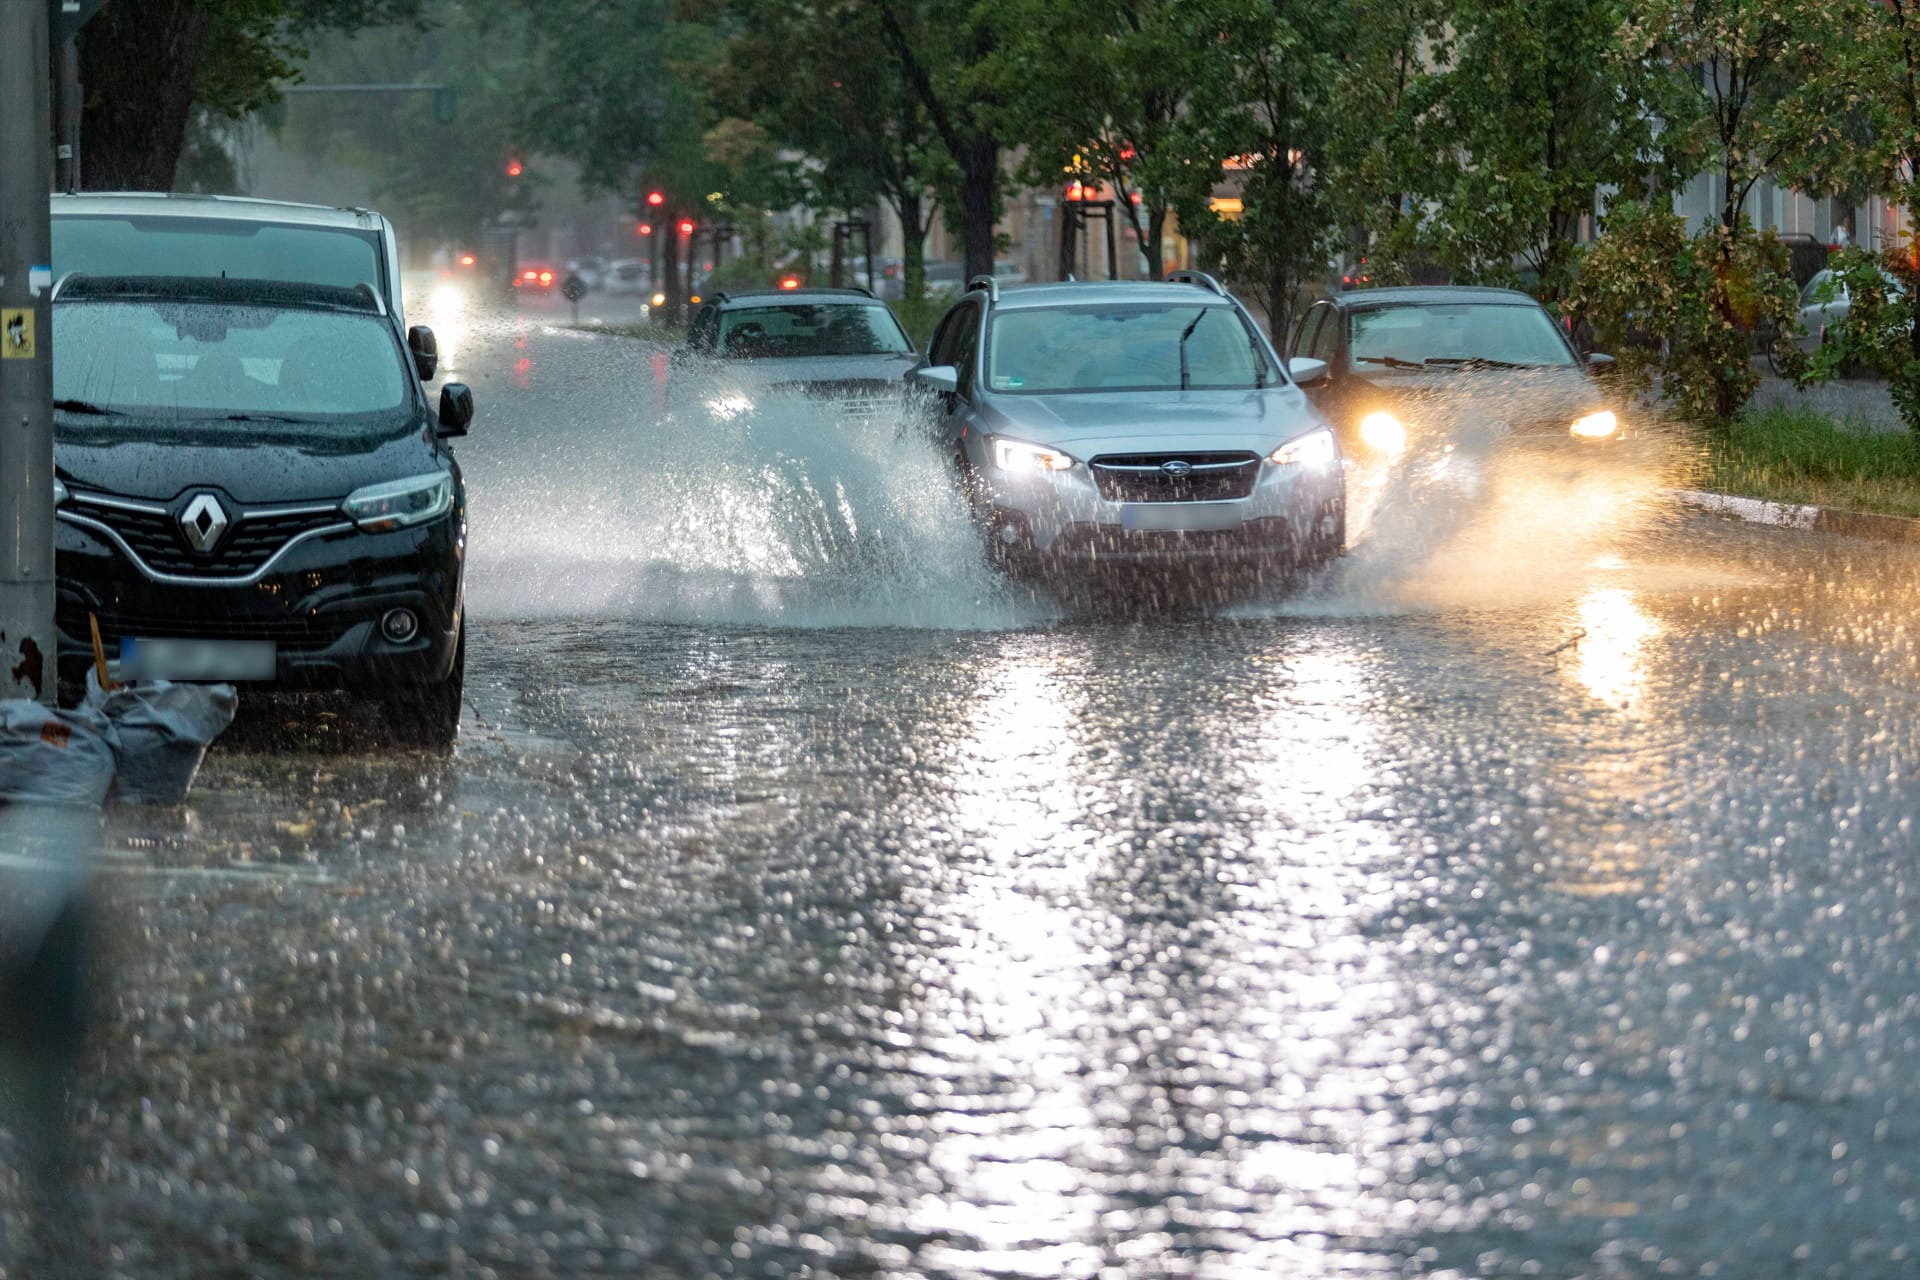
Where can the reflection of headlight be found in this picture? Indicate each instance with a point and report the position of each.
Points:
(1596, 426)
(1383, 433)
(727, 408)
(399, 503)
(1314, 449)
(447, 297)
(1017, 455)
(59, 491)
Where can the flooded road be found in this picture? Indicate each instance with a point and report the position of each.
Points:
(1535, 895)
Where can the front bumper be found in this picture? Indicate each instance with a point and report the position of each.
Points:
(1061, 521)
(321, 605)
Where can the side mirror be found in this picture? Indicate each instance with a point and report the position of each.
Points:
(426, 351)
(1308, 371)
(1599, 363)
(943, 378)
(456, 409)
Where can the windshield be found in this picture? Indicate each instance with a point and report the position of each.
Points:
(175, 246)
(1133, 347)
(1456, 333)
(197, 360)
(811, 329)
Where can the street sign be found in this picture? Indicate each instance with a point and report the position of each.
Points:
(574, 288)
(66, 17)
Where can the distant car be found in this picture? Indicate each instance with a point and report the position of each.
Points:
(1100, 426)
(535, 279)
(1407, 363)
(251, 485)
(592, 270)
(840, 347)
(1825, 304)
(627, 275)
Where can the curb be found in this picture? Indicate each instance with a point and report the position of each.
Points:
(1793, 515)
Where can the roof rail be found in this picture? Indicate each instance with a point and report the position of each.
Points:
(1200, 278)
(991, 285)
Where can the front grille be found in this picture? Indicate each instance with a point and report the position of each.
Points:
(72, 619)
(155, 537)
(1141, 477)
(1265, 536)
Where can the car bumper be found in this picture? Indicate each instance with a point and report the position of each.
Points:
(1062, 521)
(321, 606)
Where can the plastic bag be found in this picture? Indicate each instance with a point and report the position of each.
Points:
(54, 757)
(161, 733)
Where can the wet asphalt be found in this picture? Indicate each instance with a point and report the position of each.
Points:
(1534, 894)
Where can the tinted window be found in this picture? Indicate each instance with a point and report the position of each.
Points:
(127, 246)
(947, 340)
(1326, 338)
(1454, 333)
(1303, 337)
(811, 329)
(203, 360)
(1135, 347)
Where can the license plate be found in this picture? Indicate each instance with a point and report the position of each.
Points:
(1191, 517)
(175, 659)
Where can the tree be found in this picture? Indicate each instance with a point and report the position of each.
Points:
(1097, 91)
(147, 66)
(1262, 111)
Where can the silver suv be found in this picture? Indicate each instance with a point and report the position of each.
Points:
(1132, 424)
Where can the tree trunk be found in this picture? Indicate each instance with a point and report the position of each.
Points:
(979, 194)
(674, 312)
(131, 139)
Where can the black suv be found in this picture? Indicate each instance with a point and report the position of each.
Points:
(251, 486)
(841, 347)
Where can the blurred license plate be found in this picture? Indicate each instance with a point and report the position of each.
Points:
(1188, 516)
(172, 659)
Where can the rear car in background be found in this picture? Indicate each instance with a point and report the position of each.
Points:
(251, 486)
(534, 280)
(1423, 365)
(1127, 426)
(841, 349)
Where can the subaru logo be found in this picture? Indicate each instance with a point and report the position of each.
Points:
(202, 523)
(1178, 469)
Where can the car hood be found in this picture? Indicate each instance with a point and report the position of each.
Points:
(1089, 424)
(253, 463)
(828, 369)
(1516, 396)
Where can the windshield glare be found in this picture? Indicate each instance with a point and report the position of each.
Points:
(1456, 333)
(176, 246)
(193, 360)
(1136, 347)
(811, 329)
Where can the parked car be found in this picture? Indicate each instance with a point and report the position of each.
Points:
(144, 233)
(842, 347)
(251, 486)
(1825, 303)
(1407, 363)
(1101, 425)
(628, 275)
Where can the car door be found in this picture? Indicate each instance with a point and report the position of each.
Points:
(956, 344)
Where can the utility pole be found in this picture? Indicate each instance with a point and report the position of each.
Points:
(27, 651)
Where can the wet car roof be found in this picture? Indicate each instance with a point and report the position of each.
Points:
(165, 204)
(1068, 292)
(219, 290)
(1418, 295)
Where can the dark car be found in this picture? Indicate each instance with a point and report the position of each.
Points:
(251, 486)
(1409, 363)
(842, 347)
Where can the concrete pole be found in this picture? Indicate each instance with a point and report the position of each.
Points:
(67, 171)
(27, 651)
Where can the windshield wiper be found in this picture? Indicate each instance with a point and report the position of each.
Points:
(1476, 362)
(260, 417)
(87, 406)
(1185, 377)
(1392, 362)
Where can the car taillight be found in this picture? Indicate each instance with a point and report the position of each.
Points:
(546, 277)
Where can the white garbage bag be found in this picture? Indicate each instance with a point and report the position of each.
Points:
(162, 729)
(54, 757)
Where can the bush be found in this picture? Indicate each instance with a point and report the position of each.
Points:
(1877, 333)
(1680, 312)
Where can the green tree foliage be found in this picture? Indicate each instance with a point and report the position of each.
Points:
(1680, 309)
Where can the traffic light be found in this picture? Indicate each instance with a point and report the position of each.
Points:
(646, 228)
(513, 168)
(655, 199)
(686, 226)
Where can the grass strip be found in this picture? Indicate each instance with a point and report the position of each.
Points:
(1793, 455)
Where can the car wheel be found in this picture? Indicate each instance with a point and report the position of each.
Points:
(1328, 541)
(428, 715)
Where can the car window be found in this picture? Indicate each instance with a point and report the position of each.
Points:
(799, 329)
(1128, 347)
(947, 336)
(211, 360)
(1326, 340)
(1455, 333)
(176, 246)
(965, 349)
(704, 334)
(1309, 326)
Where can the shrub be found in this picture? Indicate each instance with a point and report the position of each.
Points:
(1877, 333)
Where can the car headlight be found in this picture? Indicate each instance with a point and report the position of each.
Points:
(1383, 433)
(727, 408)
(60, 494)
(1314, 449)
(1018, 455)
(1596, 426)
(399, 503)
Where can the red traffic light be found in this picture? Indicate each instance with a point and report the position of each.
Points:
(655, 199)
(789, 282)
(513, 168)
(686, 226)
(646, 228)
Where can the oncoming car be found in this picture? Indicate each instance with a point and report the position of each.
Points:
(841, 348)
(251, 486)
(1099, 425)
(1418, 365)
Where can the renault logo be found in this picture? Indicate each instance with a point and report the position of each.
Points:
(1178, 469)
(203, 522)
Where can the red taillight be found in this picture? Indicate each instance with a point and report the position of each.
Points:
(546, 277)
(530, 275)
(466, 259)
(789, 282)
